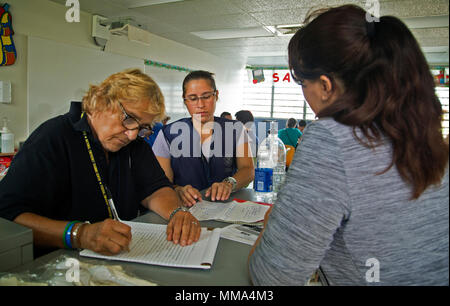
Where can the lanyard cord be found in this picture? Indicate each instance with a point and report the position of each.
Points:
(97, 174)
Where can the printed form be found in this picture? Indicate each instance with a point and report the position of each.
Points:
(233, 212)
(149, 245)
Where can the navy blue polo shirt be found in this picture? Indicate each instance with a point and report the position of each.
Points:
(180, 142)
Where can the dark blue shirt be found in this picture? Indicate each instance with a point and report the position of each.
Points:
(189, 165)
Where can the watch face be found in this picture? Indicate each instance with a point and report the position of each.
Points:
(232, 181)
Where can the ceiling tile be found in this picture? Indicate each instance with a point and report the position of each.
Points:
(414, 8)
(278, 17)
(176, 20)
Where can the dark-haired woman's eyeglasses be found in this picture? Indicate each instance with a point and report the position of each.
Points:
(131, 123)
(195, 99)
(301, 81)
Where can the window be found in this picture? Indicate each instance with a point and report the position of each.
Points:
(277, 97)
(443, 93)
(280, 97)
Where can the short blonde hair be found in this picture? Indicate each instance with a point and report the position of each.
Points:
(128, 86)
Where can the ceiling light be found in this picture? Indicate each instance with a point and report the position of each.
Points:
(288, 29)
(234, 33)
(426, 22)
(143, 3)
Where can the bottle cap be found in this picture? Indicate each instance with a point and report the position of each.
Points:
(5, 126)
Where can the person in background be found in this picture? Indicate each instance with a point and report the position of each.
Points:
(290, 134)
(373, 169)
(156, 128)
(301, 125)
(209, 156)
(226, 115)
(63, 172)
(247, 119)
(245, 116)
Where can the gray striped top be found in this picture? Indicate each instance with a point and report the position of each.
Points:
(361, 228)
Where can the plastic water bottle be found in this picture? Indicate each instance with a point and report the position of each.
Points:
(271, 164)
(7, 138)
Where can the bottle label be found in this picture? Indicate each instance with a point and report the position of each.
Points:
(263, 179)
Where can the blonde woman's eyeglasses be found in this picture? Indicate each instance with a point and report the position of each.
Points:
(131, 123)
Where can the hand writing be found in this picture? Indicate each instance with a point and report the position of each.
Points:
(109, 237)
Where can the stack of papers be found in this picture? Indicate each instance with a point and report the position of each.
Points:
(246, 212)
(149, 245)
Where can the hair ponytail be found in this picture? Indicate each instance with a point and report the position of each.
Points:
(388, 87)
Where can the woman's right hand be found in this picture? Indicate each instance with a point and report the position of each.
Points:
(109, 237)
(188, 195)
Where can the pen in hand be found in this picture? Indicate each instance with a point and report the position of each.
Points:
(111, 204)
(113, 209)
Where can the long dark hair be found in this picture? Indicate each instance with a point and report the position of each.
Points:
(387, 85)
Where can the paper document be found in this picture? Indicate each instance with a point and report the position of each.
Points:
(233, 212)
(241, 233)
(149, 245)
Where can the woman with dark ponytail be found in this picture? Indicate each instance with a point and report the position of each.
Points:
(372, 172)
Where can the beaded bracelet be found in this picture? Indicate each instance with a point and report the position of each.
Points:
(75, 237)
(182, 208)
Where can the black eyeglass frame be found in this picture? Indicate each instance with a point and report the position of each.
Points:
(300, 81)
(205, 97)
(145, 130)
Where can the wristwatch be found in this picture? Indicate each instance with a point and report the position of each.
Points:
(232, 181)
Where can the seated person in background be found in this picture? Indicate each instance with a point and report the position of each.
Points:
(301, 126)
(247, 119)
(226, 115)
(203, 151)
(62, 170)
(156, 128)
(373, 169)
(290, 134)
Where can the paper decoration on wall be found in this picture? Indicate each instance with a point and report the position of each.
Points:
(440, 75)
(167, 66)
(8, 52)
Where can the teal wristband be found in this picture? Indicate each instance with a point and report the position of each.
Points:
(67, 234)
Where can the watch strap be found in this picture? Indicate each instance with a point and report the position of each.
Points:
(232, 181)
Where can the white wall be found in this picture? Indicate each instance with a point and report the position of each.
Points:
(59, 73)
(42, 86)
(228, 75)
(170, 82)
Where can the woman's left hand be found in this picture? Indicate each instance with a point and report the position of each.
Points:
(219, 191)
(183, 228)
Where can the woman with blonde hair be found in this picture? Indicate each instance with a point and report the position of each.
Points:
(93, 153)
